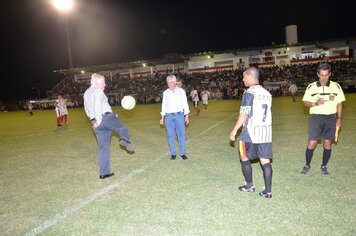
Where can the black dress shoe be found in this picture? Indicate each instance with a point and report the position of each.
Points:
(173, 157)
(184, 157)
(105, 176)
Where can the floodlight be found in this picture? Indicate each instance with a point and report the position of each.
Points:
(63, 5)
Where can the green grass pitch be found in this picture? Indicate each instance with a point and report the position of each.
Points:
(50, 185)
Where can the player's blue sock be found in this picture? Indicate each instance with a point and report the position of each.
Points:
(247, 172)
(326, 156)
(267, 175)
(308, 156)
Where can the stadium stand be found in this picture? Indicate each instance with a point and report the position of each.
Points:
(223, 84)
(219, 72)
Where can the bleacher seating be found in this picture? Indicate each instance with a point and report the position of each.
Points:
(222, 84)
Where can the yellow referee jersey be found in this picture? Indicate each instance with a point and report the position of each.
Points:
(331, 93)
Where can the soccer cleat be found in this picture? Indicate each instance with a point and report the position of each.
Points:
(173, 157)
(324, 170)
(184, 157)
(244, 188)
(305, 170)
(266, 195)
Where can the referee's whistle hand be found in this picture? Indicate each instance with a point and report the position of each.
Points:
(320, 101)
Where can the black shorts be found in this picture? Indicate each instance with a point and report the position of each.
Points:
(322, 127)
(256, 150)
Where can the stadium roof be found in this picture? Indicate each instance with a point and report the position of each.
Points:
(177, 58)
(168, 59)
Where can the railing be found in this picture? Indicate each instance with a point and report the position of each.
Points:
(61, 86)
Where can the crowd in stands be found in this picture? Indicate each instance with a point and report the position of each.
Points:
(224, 84)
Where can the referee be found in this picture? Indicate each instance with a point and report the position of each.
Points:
(324, 97)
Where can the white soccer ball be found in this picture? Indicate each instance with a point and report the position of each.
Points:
(128, 102)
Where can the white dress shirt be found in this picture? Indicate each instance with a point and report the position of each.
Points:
(174, 101)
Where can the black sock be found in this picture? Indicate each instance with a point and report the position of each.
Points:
(267, 175)
(308, 156)
(326, 156)
(247, 172)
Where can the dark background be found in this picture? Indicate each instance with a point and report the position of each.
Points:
(33, 39)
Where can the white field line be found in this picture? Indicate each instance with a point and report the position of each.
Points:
(74, 208)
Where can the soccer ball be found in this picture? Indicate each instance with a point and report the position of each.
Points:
(128, 102)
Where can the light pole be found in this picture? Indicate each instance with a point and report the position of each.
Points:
(69, 48)
(65, 6)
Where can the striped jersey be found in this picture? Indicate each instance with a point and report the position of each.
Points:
(257, 104)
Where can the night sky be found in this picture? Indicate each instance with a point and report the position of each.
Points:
(33, 39)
